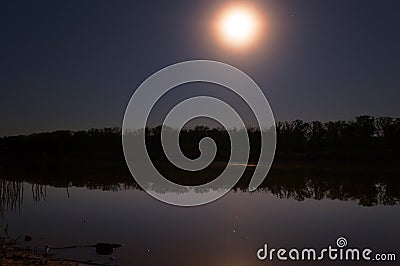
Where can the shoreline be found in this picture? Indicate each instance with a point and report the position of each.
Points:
(11, 254)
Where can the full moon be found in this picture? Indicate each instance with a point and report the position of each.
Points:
(238, 26)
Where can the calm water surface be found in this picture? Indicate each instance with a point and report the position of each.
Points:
(228, 231)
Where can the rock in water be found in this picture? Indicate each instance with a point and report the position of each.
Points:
(106, 248)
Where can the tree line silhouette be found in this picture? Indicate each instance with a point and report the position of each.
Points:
(361, 137)
(364, 132)
(99, 152)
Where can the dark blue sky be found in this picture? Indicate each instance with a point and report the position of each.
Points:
(75, 64)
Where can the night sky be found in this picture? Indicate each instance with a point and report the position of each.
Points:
(75, 64)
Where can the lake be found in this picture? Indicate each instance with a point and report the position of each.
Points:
(296, 211)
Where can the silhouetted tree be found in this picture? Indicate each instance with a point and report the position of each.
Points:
(296, 137)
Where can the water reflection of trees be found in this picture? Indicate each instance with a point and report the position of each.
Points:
(367, 188)
(12, 194)
(39, 192)
(366, 191)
